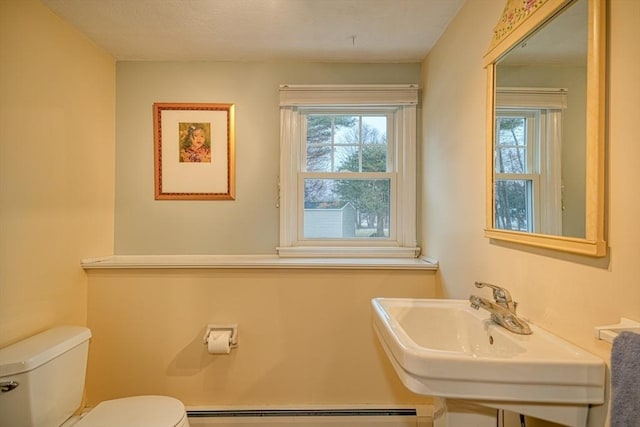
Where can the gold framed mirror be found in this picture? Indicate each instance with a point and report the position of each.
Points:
(546, 126)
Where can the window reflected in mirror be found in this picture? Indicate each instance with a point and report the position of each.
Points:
(528, 193)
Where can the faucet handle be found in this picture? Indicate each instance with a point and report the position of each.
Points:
(499, 294)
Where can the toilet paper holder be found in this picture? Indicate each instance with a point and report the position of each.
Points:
(233, 328)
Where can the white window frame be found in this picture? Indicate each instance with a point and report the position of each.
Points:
(533, 171)
(400, 102)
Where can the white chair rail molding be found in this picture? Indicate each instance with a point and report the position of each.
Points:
(254, 261)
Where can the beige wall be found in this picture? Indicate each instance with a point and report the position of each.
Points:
(305, 336)
(567, 295)
(294, 350)
(57, 123)
(58, 207)
(250, 224)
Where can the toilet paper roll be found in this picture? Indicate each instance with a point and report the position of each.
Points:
(218, 342)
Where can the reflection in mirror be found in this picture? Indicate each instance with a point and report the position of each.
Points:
(540, 144)
(545, 156)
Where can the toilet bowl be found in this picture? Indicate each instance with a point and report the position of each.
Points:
(42, 383)
(137, 411)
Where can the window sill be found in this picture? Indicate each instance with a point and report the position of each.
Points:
(254, 261)
(357, 252)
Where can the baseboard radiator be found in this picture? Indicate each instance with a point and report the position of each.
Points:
(391, 417)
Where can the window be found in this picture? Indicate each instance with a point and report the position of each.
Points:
(517, 171)
(347, 181)
(527, 161)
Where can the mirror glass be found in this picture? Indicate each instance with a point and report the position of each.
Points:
(540, 145)
(546, 154)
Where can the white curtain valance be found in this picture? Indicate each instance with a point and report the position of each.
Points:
(374, 95)
(531, 98)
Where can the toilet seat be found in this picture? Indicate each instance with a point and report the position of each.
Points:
(137, 411)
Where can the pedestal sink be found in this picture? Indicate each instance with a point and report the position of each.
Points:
(446, 349)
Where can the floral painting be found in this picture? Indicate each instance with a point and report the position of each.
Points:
(515, 11)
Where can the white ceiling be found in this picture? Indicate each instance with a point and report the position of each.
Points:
(257, 30)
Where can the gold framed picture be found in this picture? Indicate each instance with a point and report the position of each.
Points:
(194, 151)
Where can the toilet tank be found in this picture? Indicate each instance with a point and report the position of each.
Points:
(42, 377)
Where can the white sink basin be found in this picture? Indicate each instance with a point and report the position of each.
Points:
(447, 349)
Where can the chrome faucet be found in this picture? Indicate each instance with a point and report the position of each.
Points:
(502, 309)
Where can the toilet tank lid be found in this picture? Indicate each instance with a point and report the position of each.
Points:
(34, 351)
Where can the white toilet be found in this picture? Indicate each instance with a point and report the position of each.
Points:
(42, 383)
